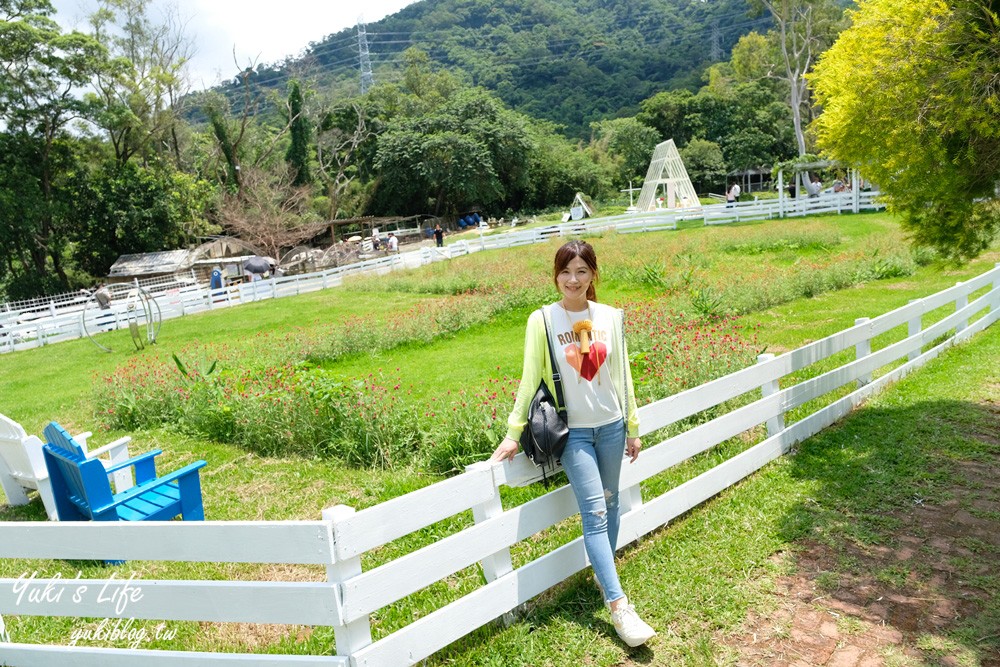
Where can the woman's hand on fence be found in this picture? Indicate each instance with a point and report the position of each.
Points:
(506, 450)
(632, 447)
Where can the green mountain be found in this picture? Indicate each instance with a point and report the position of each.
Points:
(569, 61)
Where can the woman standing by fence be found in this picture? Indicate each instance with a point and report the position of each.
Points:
(602, 414)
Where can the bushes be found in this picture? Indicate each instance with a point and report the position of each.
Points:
(277, 394)
(672, 352)
(274, 398)
(423, 323)
(772, 285)
(797, 242)
(469, 425)
(366, 422)
(269, 403)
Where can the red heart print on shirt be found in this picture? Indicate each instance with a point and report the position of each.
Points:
(587, 365)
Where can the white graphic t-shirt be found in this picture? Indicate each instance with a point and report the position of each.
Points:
(587, 387)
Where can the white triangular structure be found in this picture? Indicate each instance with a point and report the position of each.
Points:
(667, 169)
(580, 208)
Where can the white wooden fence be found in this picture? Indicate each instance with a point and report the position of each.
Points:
(63, 321)
(349, 595)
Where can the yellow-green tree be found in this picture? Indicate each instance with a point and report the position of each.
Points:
(909, 95)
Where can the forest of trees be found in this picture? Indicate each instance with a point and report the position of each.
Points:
(572, 62)
(509, 106)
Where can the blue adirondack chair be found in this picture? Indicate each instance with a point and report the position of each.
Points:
(82, 490)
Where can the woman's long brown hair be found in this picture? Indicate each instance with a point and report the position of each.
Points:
(584, 251)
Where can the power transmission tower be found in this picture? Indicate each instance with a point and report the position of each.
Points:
(716, 52)
(367, 80)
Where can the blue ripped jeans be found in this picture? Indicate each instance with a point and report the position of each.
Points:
(593, 462)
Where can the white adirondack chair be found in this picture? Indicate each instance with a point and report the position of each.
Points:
(22, 465)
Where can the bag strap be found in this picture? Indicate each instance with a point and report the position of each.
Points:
(556, 375)
(625, 368)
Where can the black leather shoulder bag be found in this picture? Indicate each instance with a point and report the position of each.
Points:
(544, 437)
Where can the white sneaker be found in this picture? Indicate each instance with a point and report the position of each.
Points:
(632, 629)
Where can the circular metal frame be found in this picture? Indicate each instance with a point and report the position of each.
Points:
(141, 309)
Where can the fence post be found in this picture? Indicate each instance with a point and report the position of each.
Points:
(354, 636)
(913, 327)
(995, 303)
(775, 424)
(855, 191)
(960, 303)
(863, 349)
(781, 193)
(498, 564)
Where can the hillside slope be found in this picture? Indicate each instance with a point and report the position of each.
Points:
(569, 61)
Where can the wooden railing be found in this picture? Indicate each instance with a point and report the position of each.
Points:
(349, 594)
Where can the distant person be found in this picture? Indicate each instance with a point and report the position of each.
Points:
(392, 243)
(733, 194)
(439, 236)
(376, 239)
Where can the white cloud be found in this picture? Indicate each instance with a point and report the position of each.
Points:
(264, 32)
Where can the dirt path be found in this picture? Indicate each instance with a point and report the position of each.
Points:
(842, 606)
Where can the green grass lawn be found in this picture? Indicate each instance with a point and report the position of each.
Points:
(694, 579)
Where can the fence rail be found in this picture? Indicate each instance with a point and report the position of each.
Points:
(349, 594)
(11, 311)
(68, 317)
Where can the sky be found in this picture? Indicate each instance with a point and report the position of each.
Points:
(255, 28)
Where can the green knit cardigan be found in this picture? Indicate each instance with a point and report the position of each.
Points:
(538, 366)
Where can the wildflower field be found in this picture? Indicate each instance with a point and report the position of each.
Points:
(283, 393)
(362, 393)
